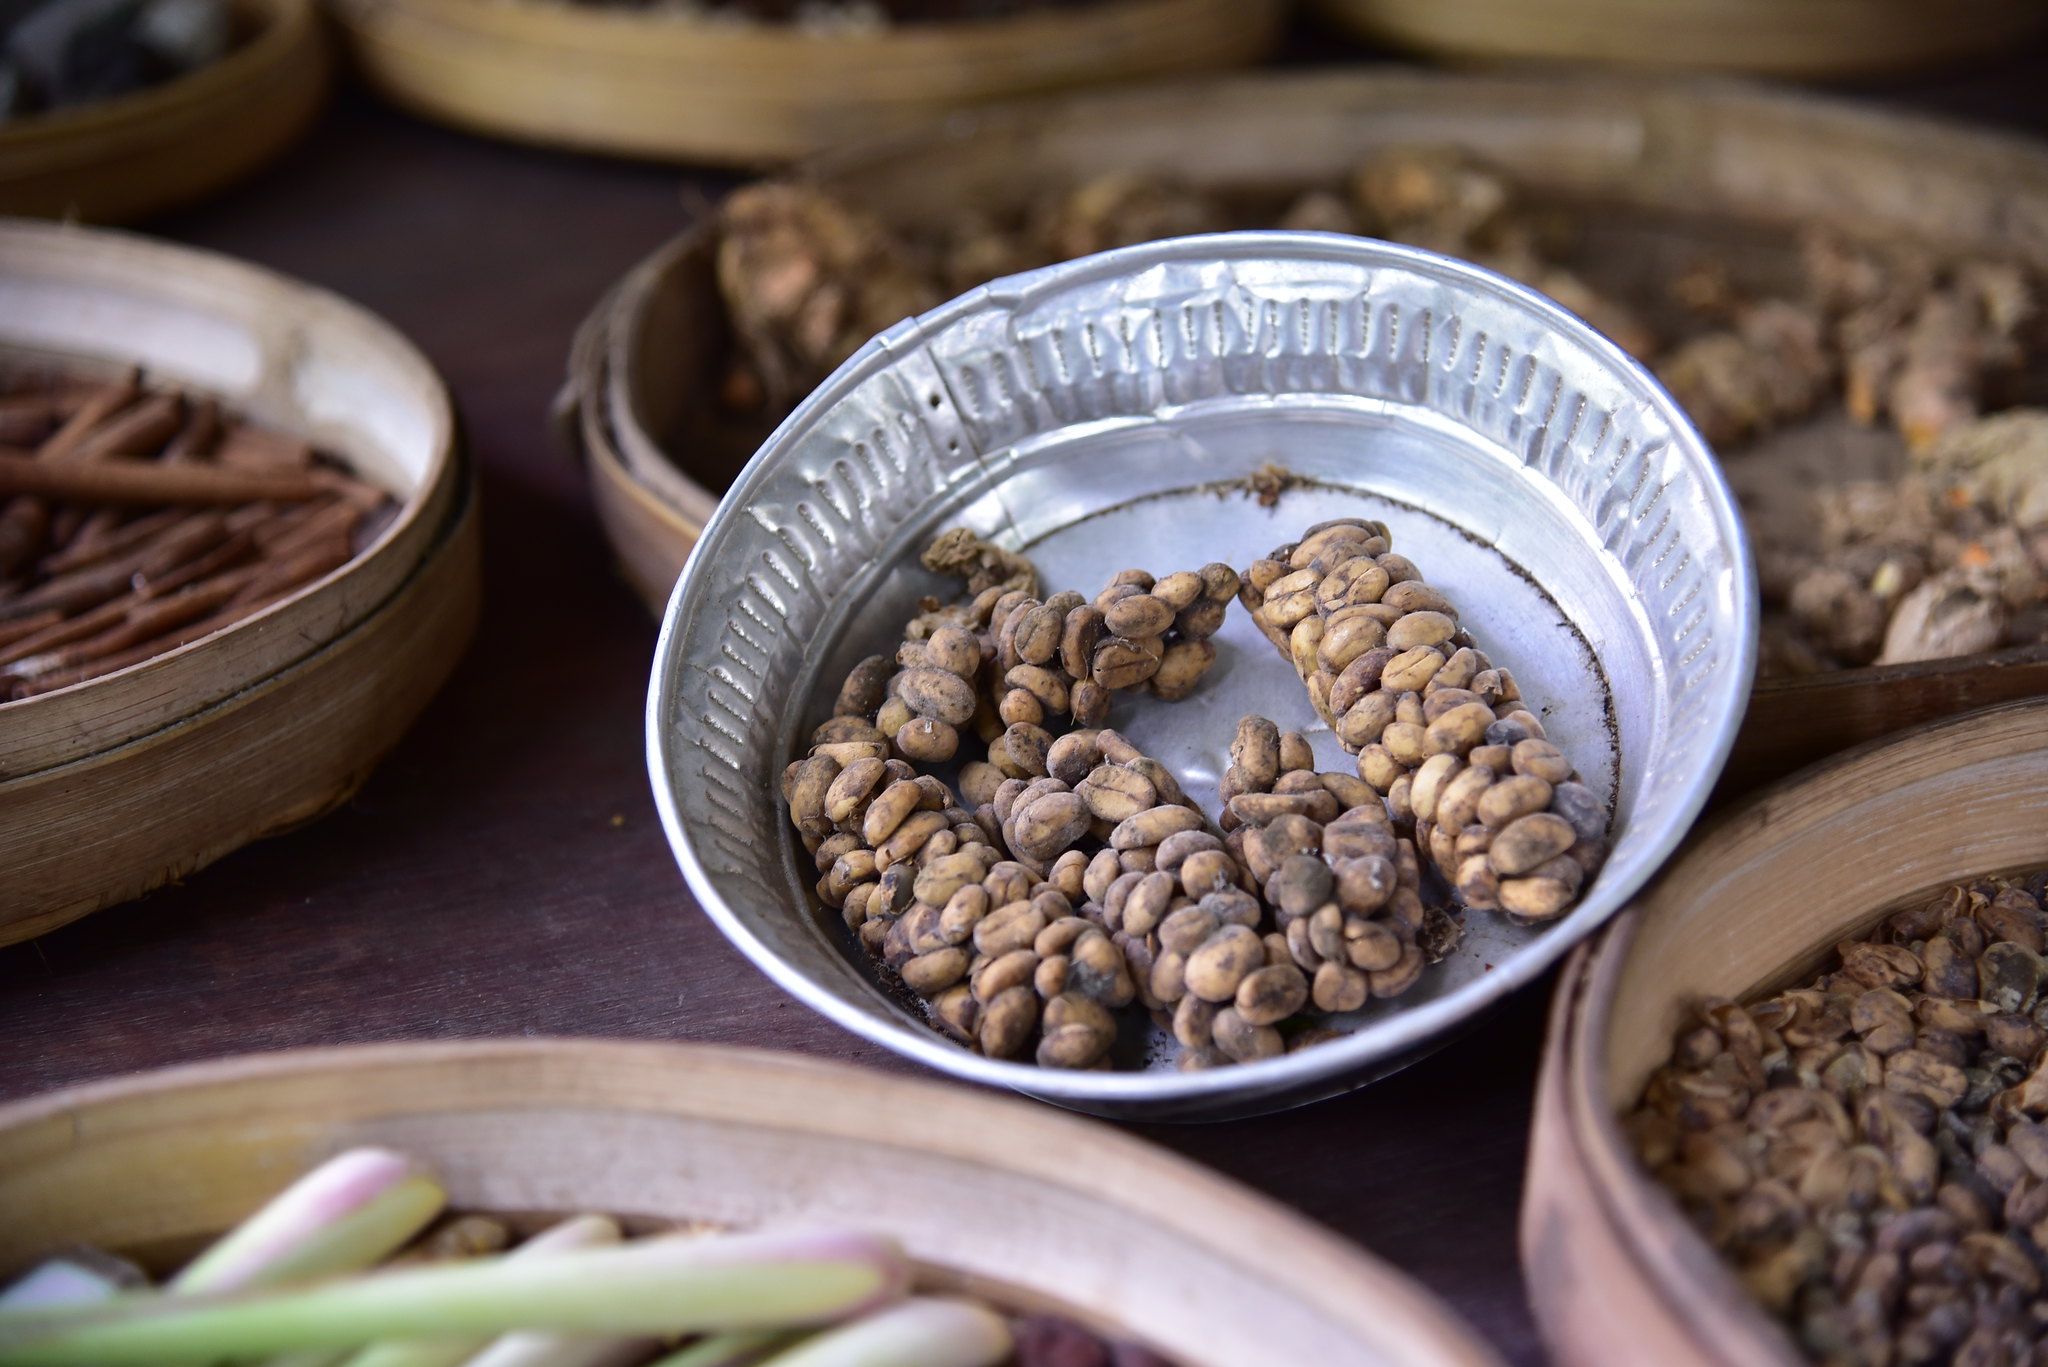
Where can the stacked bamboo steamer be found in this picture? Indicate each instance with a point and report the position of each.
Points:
(1821, 39)
(660, 83)
(1617, 1273)
(116, 785)
(641, 399)
(137, 154)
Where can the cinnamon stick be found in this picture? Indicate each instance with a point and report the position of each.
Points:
(133, 481)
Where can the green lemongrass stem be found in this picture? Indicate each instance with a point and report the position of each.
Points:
(563, 1350)
(745, 1349)
(72, 1279)
(657, 1286)
(920, 1332)
(355, 1209)
(583, 1231)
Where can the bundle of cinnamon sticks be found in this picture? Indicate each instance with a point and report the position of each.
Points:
(135, 518)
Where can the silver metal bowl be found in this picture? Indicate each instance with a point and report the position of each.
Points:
(1106, 413)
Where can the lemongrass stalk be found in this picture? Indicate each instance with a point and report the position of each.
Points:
(76, 1278)
(920, 1332)
(584, 1231)
(746, 1349)
(563, 1350)
(655, 1287)
(355, 1209)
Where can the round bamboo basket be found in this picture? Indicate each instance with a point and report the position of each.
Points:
(1617, 1274)
(1819, 39)
(654, 84)
(1028, 1207)
(116, 785)
(145, 152)
(1656, 168)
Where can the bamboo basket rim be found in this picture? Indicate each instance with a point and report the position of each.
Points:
(1346, 1282)
(430, 498)
(159, 112)
(1722, 1313)
(664, 37)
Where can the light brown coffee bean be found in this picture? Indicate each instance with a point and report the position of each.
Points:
(1184, 931)
(1460, 671)
(1458, 805)
(1175, 850)
(866, 688)
(1534, 899)
(1478, 886)
(1378, 767)
(1392, 982)
(1074, 1046)
(1008, 928)
(807, 795)
(1039, 633)
(1255, 750)
(1141, 614)
(1148, 828)
(1459, 730)
(1357, 580)
(1027, 747)
(932, 973)
(1339, 987)
(1355, 835)
(1099, 969)
(1528, 842)
(1193, 1022)
(1181, 669)
(1411, 669)
(926, 740)
(1370, 946)
(1242, 1040)
(1147, 903)
(954, 649)
(930, 692)
(991, 976)
(1407, 742)
(1080, 632)
(848, 795)
(1513, 798)
(1362, 676)
(1541, 759)
(1362, 886)
(889, 810)
(1271, 994)
(1430, 779)
(1121, 662)
(1050, 825)
(1207, 871)
(1420, 629)
(1412, 595)
(1498, 758)
(1007, 1022)
(1399, 568)
(1223, 961)
(909, 837)
(1367, 721)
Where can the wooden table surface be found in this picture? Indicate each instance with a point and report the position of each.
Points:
(504, 874)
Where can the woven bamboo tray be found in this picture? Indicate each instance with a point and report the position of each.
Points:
(660, 84)
(1617, 1275)
(1785, 38)
(1665, 166)
(1031, 1208)
(113, 786)
(145, 152)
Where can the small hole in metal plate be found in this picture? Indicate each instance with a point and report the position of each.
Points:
(934, 400)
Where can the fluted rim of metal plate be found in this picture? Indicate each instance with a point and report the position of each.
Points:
(1406, 1031)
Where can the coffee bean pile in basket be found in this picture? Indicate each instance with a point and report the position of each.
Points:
(1868, 1149)
(1060, 878)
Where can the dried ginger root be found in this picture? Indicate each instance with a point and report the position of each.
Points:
(807, 279)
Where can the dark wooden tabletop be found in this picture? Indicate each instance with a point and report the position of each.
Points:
(504, 874)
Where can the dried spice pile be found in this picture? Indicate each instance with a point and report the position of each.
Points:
(1934, 545)
(59, 54)
(1869, 1150)
(1058, 876)
(136, 518)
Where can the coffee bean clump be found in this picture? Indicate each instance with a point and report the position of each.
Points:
(1868, 1150)
(1056, 882)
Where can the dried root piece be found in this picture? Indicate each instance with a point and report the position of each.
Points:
(1770, 367)
(1439, 731)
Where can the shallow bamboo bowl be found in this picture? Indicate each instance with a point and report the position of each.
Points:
(1617, 1275)
(654, 84)
(113, 786)
(1728, 167)
(1032, 1208)
(1785, 38)
(140, 153)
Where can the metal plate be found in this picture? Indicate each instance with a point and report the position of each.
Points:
(1105, 413)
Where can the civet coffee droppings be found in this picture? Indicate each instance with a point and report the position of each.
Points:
(1440, 732)
(1021, 866)
(136, 518)
(1868, 1150)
